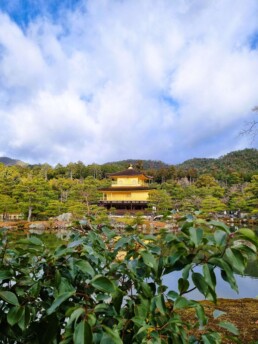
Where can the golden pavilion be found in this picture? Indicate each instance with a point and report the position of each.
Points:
(129, 190)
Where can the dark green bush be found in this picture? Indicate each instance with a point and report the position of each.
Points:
(103, 289)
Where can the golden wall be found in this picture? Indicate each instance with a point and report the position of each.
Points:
(126, 196)
(133, 181)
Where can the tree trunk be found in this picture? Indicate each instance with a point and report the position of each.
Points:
(29, 214)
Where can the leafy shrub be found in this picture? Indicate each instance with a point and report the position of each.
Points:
(103, 289)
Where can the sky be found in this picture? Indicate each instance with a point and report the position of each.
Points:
(107, 80)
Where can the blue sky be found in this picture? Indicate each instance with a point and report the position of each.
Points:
(106, 80)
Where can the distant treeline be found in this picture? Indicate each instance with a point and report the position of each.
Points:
(238, 166)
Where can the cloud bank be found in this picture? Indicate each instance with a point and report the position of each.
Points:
(106, 80)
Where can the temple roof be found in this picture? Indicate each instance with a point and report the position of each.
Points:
(130, 171)
(125, 188)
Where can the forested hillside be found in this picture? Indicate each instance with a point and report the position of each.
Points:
(10, 162)
(243, 161)
(140, 164)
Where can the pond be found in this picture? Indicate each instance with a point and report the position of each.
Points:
(247, 284)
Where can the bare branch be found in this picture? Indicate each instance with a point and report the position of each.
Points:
(251, 128)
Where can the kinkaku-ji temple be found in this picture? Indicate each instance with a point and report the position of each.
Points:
(129, 190)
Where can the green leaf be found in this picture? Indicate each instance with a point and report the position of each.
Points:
(103, 283)
(117, 298)
(247, 234)
(219, 225)
(186, 271)
(217, 313)
(172, 294)
(35, 241)
(211, 338)
(230, 327)
(122, 242)
(9, 297)
(5, 274)
(200, 283)
(109, 233)
(226, 271)
(196, 235)
(25, 319)
(139, 321)
(209, 275)
(14, 315)
(236, 259)
(142, 309)
(146, 289)
(75, 315)
(82, 333)
(200, 314)
(101, 308)
(59, 300)
(113, 334)
(64, 286)
(149, 259)
(220, 238)
(160, 304)
(34, 290)
(75, 243)
(181, 302)
(91, 319)
(175, 257)
(183, 285)
(85, 267)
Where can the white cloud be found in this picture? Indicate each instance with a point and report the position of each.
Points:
(128, 79)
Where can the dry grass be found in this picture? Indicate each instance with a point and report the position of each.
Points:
(243, 313)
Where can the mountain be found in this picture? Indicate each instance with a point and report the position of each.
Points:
(241, 161)
(11, 162)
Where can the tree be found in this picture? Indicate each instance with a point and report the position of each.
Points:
(9, 178)
(54, 208)
(161, 200)
(253, 194)
(32, 194)
(212, 204)
(45, 170)
(86, 192)
(71, 170)
(251, 127)
(7, 205)
(62, 187)
(235, 178)
(176, 193)
(206, 180)
(237, 202)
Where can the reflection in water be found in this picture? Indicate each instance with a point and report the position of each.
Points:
(252, 268)
(247, 286)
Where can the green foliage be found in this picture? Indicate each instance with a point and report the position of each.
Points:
(211, 204)
(160, 200)
(205, 180)
(232, 167)
(253, 194)
(84, 292)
